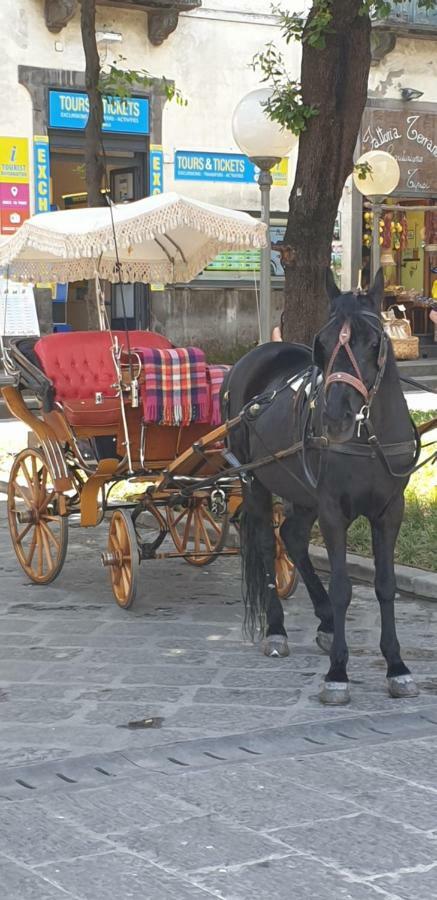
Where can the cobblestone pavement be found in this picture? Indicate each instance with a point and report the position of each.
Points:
(249, 787)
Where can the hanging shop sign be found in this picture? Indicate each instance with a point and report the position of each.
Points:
(156, 169)
(41, 173)
(128, 115)
(14, 160)
(410, 135)
(193, 165)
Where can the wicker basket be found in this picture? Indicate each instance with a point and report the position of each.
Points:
(406, 348)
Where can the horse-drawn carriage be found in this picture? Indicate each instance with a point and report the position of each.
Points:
(92, 432)
(123, 407)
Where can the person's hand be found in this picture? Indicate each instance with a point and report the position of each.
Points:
(433, 316)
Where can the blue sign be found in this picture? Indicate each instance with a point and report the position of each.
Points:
(156, 170)
(190, 165)
(41, 162)
(129, 115)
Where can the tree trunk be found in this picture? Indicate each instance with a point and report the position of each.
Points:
(94, 163)
(335, 80)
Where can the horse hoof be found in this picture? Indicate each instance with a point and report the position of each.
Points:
(335, 693)
(275, 645)
(402, 686)
(324, 640)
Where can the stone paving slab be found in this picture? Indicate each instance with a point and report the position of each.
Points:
(120, 876)
(21, 883)
(408, 885)
(363, 844)
(290, 878)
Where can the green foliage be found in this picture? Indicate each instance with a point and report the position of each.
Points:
(118, 82)
(362, 170)
(285, 103)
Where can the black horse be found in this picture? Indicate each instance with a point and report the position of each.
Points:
(339, 444)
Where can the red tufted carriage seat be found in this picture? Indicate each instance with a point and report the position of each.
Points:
(80, 364)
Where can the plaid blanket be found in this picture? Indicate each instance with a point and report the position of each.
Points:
(175, 389)
(216, 375)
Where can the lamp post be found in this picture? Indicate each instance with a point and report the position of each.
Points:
(265, 143)
(380, 181)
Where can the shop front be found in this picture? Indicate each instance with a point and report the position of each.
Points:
(408, 225)
(133, 169)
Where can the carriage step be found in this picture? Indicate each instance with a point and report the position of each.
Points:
(309, 738)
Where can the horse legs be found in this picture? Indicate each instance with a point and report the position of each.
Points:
(295, 532)
(258, 551)
(335, 690)
(384, 534)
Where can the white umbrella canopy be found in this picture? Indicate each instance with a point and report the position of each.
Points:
(165, 238)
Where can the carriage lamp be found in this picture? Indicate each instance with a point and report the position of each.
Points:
(380, 180)
(265, 143)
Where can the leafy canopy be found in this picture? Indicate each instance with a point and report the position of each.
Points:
(118, 82)
(285, 104)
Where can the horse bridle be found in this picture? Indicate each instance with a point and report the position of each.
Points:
(356, 381)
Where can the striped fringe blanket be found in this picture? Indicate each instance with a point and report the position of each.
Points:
(216, 375)
(176, 390)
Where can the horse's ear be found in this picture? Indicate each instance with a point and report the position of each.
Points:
(376, 292)
(331, 287)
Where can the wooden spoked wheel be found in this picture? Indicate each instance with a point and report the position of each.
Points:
(122, 558)
(39, 534)
(287, 575)
(198, 535)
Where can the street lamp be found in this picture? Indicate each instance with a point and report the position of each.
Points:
(380, 181)
(265, 143)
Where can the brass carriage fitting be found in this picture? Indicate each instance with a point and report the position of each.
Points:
(99, 398)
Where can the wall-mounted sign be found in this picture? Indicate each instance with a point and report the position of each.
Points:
(410, 135)
(14, 206)
(14, 160)
(41, 174)
(129, 115)
(156, 169)
(193, 165)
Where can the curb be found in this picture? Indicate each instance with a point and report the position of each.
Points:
(420, 584)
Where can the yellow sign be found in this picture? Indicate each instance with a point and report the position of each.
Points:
(280, 173)
(14, 160)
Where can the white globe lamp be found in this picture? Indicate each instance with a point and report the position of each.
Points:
(265, 142)
(381, 179)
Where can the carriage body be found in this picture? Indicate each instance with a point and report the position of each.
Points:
(90, 433)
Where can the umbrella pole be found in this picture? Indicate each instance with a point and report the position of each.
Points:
(100, 300)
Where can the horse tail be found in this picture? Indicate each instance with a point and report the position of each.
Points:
(253, 575)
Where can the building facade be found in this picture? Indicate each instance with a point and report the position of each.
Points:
(401, 119)
(205, 47)
(150, 144)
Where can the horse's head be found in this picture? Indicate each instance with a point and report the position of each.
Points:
(351, 352)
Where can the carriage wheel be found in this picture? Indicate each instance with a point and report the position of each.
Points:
(122, 558)
(39, 534)
(287, 576)
(197, 533)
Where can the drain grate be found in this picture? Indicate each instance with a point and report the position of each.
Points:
(304, 739)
